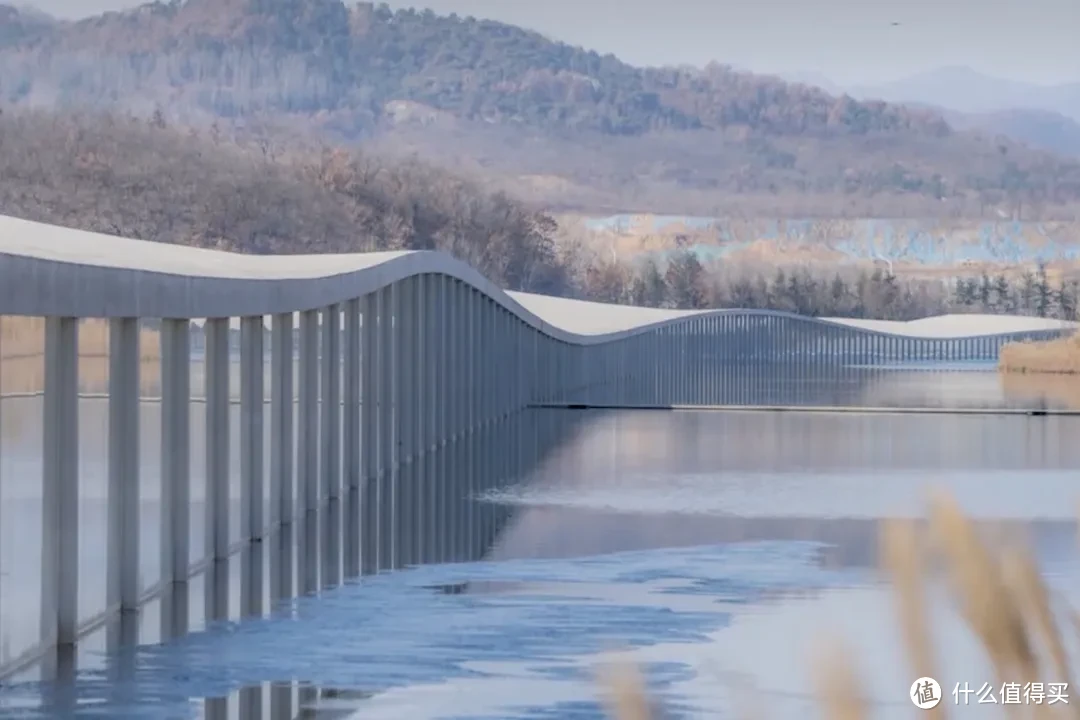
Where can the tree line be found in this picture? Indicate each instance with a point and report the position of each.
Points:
(683, 281)
(214, 188)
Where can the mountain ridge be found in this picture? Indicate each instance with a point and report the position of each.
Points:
(966, 90)
(654, 136)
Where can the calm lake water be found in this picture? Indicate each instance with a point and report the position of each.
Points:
(719, 550)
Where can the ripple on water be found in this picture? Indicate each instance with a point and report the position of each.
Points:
(538, 623)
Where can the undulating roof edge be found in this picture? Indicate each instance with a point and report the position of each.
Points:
(52, 270)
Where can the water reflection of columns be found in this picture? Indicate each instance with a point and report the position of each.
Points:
(216, 585)
(216, 591)
(174, 611)
(351, 524)
(282, 566)
(121, 643)
(307, 553)
(331, 543)
(58, 669)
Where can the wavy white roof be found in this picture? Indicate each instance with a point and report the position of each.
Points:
(40, 274)
(590, 318)
(946, 326)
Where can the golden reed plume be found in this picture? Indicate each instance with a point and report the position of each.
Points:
(1000, 594)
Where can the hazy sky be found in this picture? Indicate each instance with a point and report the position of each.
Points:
(849, 41)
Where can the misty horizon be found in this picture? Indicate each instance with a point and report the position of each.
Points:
(860, 46)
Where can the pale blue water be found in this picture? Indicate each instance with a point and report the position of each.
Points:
(526, 640)
(719, 551)
(540, 619)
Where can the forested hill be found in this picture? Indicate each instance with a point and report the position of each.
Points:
(227, 54)
(658, 135)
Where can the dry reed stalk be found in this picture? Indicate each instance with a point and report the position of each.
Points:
(25, 337)
(837, 686)
(902, 560)
(625, 694)
(1039, 621)
(22, 356)
(1027, 586)
(27, 375)
(1052, 356)
(1002, 597)
(977, 583)
(1042, 388)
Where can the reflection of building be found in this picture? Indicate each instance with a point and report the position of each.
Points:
(1043, 389)
(549, 532)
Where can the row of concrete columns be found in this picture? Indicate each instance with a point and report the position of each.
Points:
(383, 382)
(319, 550)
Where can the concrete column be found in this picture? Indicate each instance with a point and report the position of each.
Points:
(252, 414)
(450, 478)
(60, 484)
(405, 420)
(216, 368)
(441, 372)
(480, 366)
(474, 304)
(514, 376)
(430, 358)
(553, 355)
(404, 362)
(122, 565)
(456, 347)
(307, 458)
(487, 386)
(673, 336)
(282, 507)
(515, 379)
(175, 450)
(444, 369)
(497, 362)
(388, 316)
(473, 310)
(352, 469)
(419, 414)
(421, 348)
(495, 376)
(369, 427)
(506, 342)
(330, 409)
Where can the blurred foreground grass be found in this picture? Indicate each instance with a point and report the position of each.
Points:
(997, 588)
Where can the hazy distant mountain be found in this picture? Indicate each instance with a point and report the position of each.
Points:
(1042, 129)
(969, 100)
(968, 91)
(1042, 116)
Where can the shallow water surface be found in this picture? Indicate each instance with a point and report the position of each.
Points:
(718, 550)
